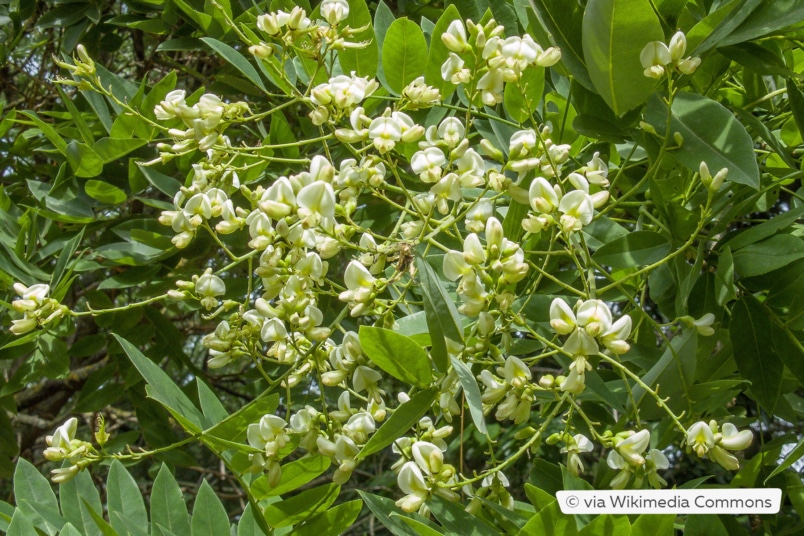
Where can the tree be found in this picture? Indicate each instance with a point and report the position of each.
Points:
(358, 267)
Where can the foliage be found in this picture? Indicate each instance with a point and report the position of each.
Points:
(358, 262)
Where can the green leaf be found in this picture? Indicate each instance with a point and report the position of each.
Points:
(123, 495)
(294, 475)
(764, 230)
(211, 407)
(704, 525)
(614, 34)
(472, 392)
(397, 355)
(164, 183)
(363, 61)
(405, 416)
(550, 520)
(420, 528)
(35, 497)
(49, 132)
(104, 192)
(247, 525)
(607, 524)
(711, 134)
(404, 54)
(69, 530)
(79, 499)
(724, 278)
(521, 99)
(111, 149)
(673, 373)
(653, 525)
(756, 360)
(440, 312)
(100, 523)
(84, 161)
(333, 522)
(302, 506)
(710, 31)
(796, 99)
(768, 255)
(635, 249)
(20, 525)
(387, 513)
(162, 389)
(562, 21)
(236, 60)
(456, 520)
(439, 53)
(209, 515)
(766, 19)
(233, 427)
(792, 457)
(168, 509)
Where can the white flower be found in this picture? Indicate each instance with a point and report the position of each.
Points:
(60, 443)
(577, 210)
(31, 298)
(632, 447)
(427, 164)
(704, 325)
(522, 142)
(268, 435)
(654, 56)
(452, 131)
(359, 427)
(575, 382)
(209, 286)
(411, 481)
(733, 439)
(614, 338)
(172, 106)
(273, 330)
(655, 461)
(316, 201)
(385, 132)
(453, 71)
(594, 316)
(562, 319)
(678, 45)
(575, 446)
(700, 438)
(543, 197)
(519, 52)
(365, 378)
(428, 457)
(334, 11)
(455, 37)
(491, 87)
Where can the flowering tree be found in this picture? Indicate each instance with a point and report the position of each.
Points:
(431, 272)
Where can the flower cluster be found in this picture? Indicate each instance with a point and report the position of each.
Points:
(204, 122)
(37, 308)
(629, 458)
(424, 475)
(485, 271)
(657, 55)
(570, 204)
(709, 440)
(499, 60)
(511, 389)
(591, 324)
(63, 445)
(339, 96)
